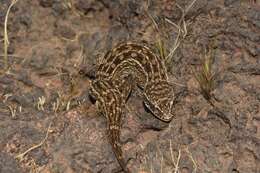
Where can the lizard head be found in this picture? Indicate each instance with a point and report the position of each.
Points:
(159, 99)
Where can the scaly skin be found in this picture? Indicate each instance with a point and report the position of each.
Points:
(121, 68)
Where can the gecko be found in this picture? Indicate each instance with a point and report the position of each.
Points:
(120, 70)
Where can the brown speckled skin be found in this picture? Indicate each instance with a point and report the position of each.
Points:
(121, 68)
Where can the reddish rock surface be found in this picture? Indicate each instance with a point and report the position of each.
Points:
(50, 40)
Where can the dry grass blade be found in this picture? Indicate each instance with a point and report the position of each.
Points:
(193, 161)
(159, 43)
(177, 163)
(13, 111)
(151, 17)
(41, 102)
(69, 4)
(6, 40)
(21, 156)
(162, 164)
(189, 7)
(161, 48)
(172, 157)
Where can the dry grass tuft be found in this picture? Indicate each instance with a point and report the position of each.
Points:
(181, 27)
(206, 77)
(6, 40)
(171, 163)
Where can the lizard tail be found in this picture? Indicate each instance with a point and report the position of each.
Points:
(114, 137)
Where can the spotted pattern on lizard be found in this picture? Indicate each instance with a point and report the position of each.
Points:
(122, 68)
(111, 102)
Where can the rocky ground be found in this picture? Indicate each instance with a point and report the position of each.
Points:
(44, 102)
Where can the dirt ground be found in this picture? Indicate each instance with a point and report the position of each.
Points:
(44, 102)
